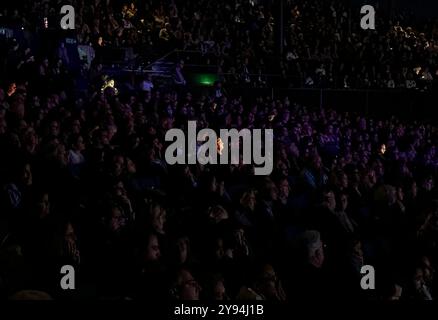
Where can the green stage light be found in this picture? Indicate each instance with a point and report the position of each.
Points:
(205, 79)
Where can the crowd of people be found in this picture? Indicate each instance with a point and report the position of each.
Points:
(323, 43)
(84, 182)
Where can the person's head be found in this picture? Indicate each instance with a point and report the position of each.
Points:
(428, 183)
(131, 168)
(428, 269)
(117, 219)
(329, 199)
(217, 288)
(118, 189)
(25, 174)
(157, 215)
(60, 155)
(313, 248)
(248, 200)
(316, 162)
(185, 287)
(269, 190)
(418, 278)
(283, 188)
(369, 177)
(209, 182)
(342, 180)
(152, 251)
(217, 214)
(412, 189)
(266, 283)
(41, 204)
(31, 295)
(54, 128)
(118, 165)
(182, 248)
(69, 233)
(18, 106)
(220, 146)
(151, 154)
(77, 143)
(11, 89)
(66, 238)
(342, 201)
(30, 138)
(400, 194)
(356, 248)
(386, 194)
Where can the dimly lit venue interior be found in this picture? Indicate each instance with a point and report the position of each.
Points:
(232, 150)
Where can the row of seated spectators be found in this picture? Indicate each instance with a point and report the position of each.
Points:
(84, 182)
(324, 45)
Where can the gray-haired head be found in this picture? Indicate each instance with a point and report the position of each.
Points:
(311, 245)
(310, 240)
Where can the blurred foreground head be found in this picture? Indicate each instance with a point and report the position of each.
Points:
(31, 295)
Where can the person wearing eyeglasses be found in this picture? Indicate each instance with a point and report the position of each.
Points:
(185, 287)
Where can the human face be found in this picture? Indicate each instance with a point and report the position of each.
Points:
(418, 278)
(414, 189)
(344, 180)
(273, 192)
(158, 218)
(130, 166)
(153, 252)
(428, 184)
(219, 290)
(118, 165)
(118, 221)
(11, 89)
(220, 145)
(43, 206)
(183, 249)
(392, 195)
(372, 177)
(400, 194)
(344, 202)
(61, 155)
(382, 149)
(319, 257)
(317, 163)
(27, 175)
(329, 200)
(190, 288)
(54, 128)
(70, 236)
(269, 278)
(218, 214)
(284, 188)
(249, 200)
(80, 146)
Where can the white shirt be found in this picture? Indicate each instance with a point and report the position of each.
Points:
(75, 158)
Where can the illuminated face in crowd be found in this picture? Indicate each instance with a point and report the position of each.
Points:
(153, 252)
(189, 288)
